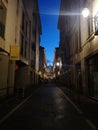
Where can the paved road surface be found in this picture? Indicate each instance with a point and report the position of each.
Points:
(47, 109)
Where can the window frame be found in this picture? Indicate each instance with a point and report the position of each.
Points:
(3, 12)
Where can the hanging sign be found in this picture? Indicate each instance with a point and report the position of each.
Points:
(14, 52)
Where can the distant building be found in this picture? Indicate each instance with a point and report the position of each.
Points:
(57, 62)
(49, 72)
(42, 61)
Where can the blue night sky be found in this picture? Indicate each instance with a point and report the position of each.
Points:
(49, 11)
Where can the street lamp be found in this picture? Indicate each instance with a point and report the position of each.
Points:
(85, 12)
(58, 64)
(58, 67)
(94, 18)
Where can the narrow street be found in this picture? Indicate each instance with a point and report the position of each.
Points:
(48, 65)
(47, 109)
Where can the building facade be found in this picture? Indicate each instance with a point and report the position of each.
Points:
(7, 38)
(81, 44)
(19, 40)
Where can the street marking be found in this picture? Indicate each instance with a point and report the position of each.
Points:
(79, 111)
(68, 99)
(13, 110)
(91, 124)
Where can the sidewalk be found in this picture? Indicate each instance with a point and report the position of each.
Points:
(8, 104)
(87, 105)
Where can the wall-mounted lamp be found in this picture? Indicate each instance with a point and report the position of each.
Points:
(86, 13)
(58, 64)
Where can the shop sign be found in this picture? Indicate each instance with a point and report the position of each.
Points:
(14, 52)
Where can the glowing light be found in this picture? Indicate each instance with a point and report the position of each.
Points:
(85, 12)
(58, 64)
(16, 67)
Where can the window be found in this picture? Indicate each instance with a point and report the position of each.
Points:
(24, 47)
(90, 26)
(17, 11)
(96, 23)
(2, 20)
(29, 30)
(76, 42)
(22, 44)
(26, 28)
(25, 50)
(23, 21)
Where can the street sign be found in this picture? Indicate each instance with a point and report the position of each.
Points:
(14, 52)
